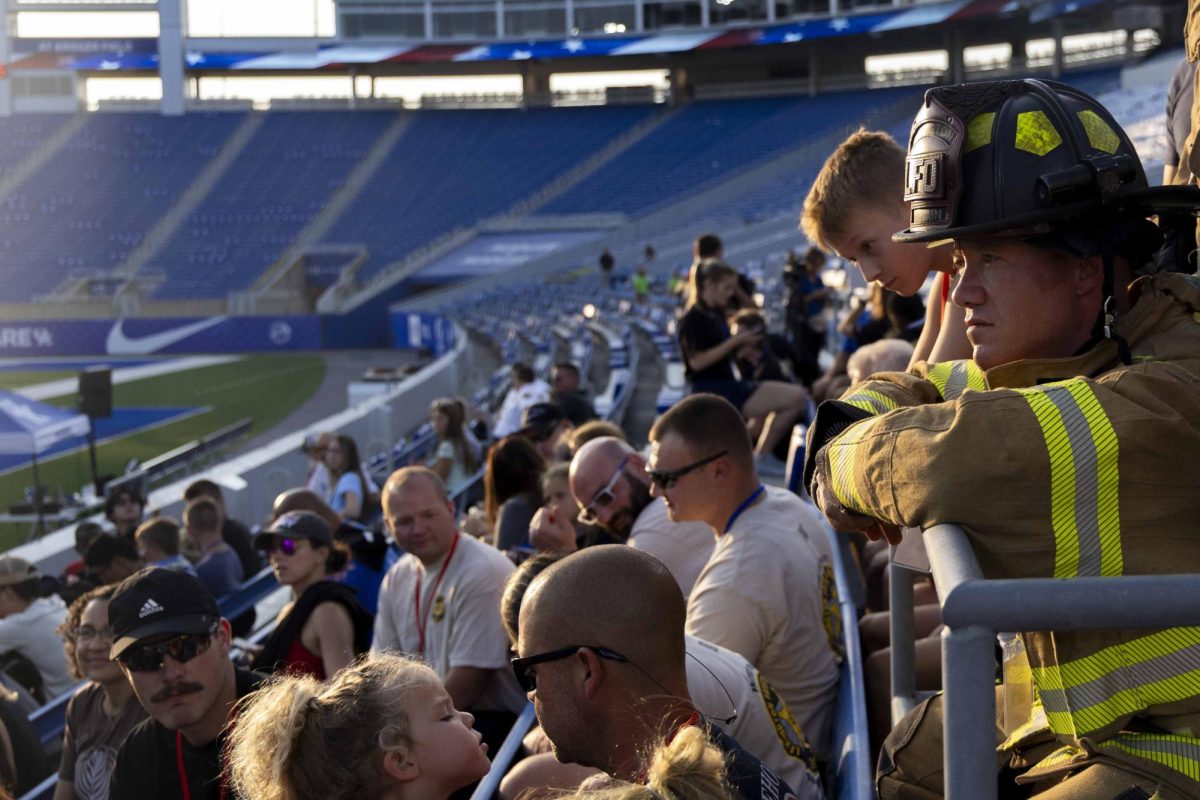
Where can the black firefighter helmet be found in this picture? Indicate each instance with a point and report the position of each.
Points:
(1026, 159)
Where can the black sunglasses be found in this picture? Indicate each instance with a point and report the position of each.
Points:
(667, 478)
(527, 678)
(182, 648)
(281, 543)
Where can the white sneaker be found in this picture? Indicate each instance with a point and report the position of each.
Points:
(769, 466)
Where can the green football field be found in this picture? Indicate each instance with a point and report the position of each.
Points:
(265, 388)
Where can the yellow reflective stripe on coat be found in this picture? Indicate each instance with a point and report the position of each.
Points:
(952, 378)
(1120, 681)
(1180, 753)
(1084, 477)
(842, 453)
(874, 402)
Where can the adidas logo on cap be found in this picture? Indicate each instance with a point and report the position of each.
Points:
(148, 608)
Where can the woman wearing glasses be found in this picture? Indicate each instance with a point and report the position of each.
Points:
(324, 627)
(708, 350)
(103, 711)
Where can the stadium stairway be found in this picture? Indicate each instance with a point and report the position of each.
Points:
(318, 227)
(170, 223)
(38, 150)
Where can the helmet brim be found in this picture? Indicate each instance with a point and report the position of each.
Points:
(1134, 202)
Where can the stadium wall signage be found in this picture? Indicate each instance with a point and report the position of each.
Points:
(341, 56)
(431, 332)
(170, 335)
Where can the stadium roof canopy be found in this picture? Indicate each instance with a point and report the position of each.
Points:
(117, 55)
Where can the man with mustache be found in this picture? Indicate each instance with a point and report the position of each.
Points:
(173, 645)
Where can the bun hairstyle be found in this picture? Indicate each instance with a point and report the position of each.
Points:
(688, 768)
(707, 272)
(300, 738)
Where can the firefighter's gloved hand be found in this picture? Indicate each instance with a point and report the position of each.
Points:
(846, 521)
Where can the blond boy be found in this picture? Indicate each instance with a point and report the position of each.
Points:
(855, 205)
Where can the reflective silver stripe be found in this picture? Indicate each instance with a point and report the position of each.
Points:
(1180, 753)
(1083, 452)
(956, 384)
(1120, 681)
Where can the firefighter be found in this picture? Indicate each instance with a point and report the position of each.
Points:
(1068, 446)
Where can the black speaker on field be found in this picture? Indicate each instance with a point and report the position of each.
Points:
(95, 392)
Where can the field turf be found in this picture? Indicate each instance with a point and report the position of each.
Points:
(266, 388)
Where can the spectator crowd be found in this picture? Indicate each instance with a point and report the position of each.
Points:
(671, 613)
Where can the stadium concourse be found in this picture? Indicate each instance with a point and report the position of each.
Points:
(199, 208)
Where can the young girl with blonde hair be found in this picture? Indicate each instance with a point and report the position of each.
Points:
(384, 727)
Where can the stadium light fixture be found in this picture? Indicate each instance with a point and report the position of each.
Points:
(589, 311)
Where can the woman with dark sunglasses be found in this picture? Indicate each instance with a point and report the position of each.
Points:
(324, 627)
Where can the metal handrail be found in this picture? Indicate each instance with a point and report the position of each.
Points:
(504, 756)
(975, 609)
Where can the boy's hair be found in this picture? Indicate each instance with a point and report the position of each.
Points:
(749, 318)
(162, 532)
(864, 170)
(203, 515)
(105, 549)
(203, 488)
(707, 245)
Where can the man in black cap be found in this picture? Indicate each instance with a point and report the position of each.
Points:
(545, 424)
(173, 645)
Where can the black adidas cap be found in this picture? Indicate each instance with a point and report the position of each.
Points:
(156, 601)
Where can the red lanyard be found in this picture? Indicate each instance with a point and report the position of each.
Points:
(183, 778)
(421, 622)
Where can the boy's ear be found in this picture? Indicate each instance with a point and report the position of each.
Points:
(398, 766)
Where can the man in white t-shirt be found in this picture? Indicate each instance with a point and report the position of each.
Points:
(608, 480)
(525, 390)
(29, 624)
(767, 591)
(441, 600)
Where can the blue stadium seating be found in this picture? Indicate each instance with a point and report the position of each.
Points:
(93, 203)
(278, 183)
(452, 168)
(23, 134)
(710, 141)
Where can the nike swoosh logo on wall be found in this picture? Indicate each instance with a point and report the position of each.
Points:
(118, 344)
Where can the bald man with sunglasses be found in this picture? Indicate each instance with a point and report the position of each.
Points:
(602, 654)
(608, 480)
(768, 590)
(173, 645)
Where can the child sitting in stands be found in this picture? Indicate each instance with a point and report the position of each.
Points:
(384, 727)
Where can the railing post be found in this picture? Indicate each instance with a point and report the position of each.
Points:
(903, 646)
(969, 705)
